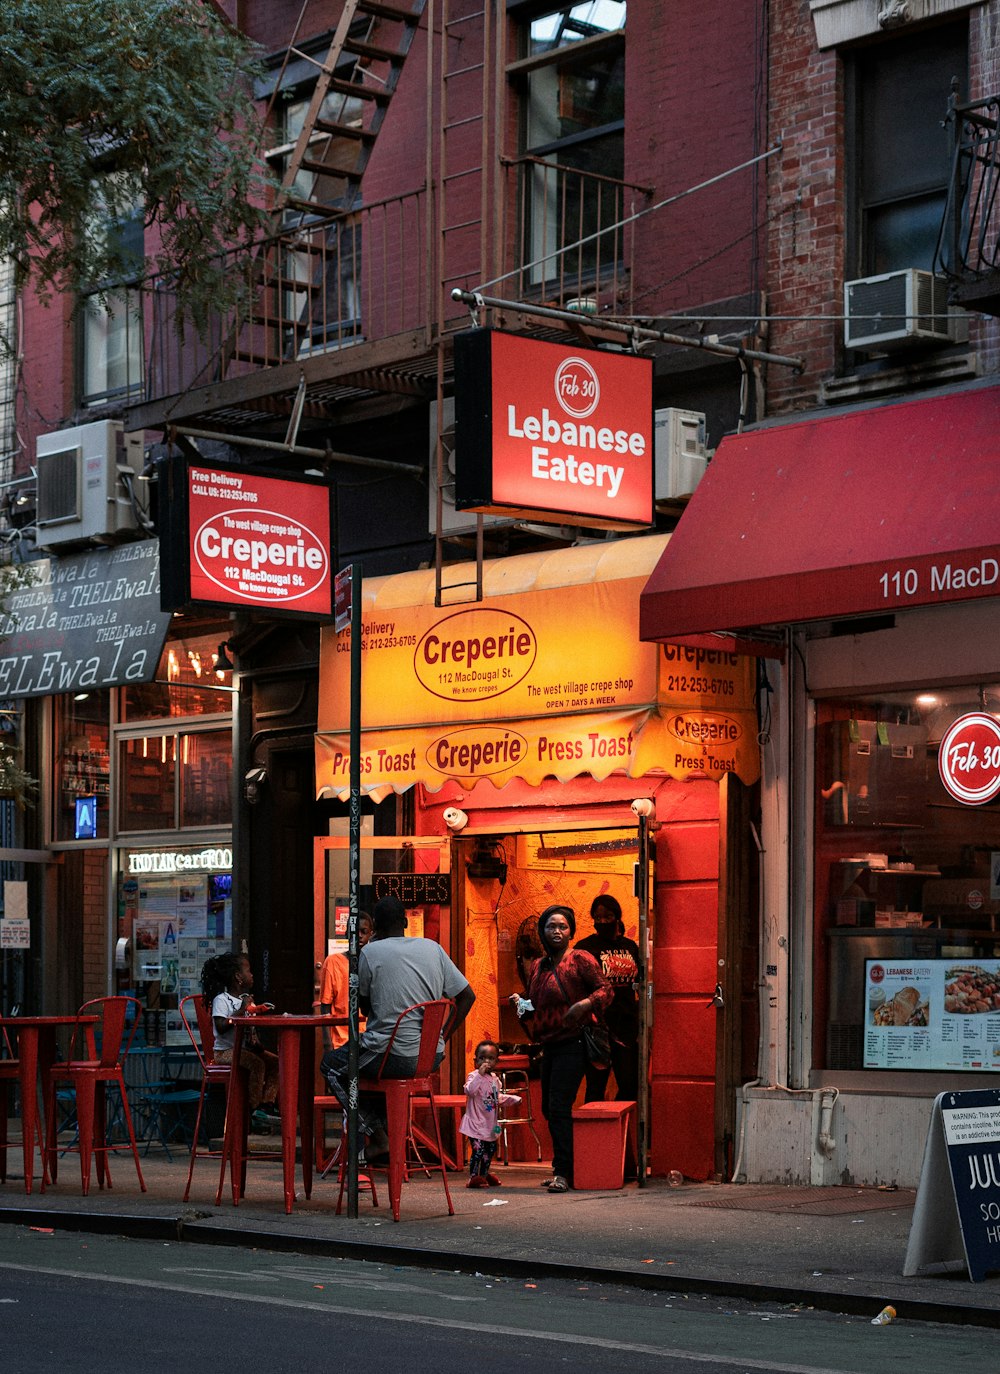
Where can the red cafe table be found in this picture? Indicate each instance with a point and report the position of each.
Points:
(36, 1053)
(296, 1036)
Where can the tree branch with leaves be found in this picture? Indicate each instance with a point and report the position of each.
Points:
(156, 93)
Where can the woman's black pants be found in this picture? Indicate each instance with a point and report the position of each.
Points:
(563, 1067)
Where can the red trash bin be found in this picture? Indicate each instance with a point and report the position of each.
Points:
(602, 1142)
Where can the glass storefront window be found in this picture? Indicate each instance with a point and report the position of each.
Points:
(907, 889)
(82, 767)
(206, 778)
(147, 783)
(154, 794)
(187, 681)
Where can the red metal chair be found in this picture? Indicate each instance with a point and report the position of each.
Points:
(203, 1039)
(366, 1183)
(435, 1017)
(235, 1150)
(102, 1066)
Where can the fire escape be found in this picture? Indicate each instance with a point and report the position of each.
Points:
(968, 251)
(347, 309)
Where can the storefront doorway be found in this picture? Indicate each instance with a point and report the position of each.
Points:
(480, 895)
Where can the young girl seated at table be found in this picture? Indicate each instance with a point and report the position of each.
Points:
(482, 1114)
(227, 989)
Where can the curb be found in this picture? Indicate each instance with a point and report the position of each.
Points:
(176, 1228)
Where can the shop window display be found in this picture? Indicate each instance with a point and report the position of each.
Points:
(907, 890)
(147, 783)
(206, 777)
(82, 767)
(187, 681)
(171, 780)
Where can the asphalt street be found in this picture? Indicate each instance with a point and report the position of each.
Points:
(83, 1303)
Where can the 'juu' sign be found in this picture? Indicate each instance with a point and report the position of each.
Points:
(960, 1221)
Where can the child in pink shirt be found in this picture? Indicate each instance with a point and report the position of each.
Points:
(482, 1114)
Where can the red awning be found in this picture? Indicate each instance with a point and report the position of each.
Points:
(854, 514)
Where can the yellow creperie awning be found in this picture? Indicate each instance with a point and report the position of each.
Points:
(545, 677)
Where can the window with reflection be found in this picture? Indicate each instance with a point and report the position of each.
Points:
(574, 120)
(172, 780)
(188, 681)
(206, 778)
(899, 145)
(111, 320)
(907, 881)
(147, 783)
(81, 776)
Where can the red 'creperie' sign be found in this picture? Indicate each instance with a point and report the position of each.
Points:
(553, 432)
(257, 541)
(239, 538)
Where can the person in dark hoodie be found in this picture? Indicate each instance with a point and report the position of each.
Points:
(566, 991)
(619, 961)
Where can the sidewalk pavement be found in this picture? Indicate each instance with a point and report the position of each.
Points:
(839, 1249)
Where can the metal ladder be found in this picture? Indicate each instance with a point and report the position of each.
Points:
(362, 66)
(469, 248)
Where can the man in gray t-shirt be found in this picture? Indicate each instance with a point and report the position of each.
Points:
(394, 973)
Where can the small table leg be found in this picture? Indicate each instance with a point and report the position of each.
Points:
(288, 1096)
(27, 1048)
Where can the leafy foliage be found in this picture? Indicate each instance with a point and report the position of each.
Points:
(156, 92)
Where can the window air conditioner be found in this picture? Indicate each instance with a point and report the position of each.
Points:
(897, 309)
(82, 476)
(679, 452)
(452, 521)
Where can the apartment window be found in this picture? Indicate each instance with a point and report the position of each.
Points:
(573, 80)
(897, 99)
(111, 321)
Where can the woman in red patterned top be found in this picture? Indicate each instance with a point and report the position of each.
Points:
(566, 991)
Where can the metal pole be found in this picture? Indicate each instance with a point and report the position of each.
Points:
(635, 333)
(645, 1001)
(302, 451)
(354, 895)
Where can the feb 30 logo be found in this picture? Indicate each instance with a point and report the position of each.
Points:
(969, 758)
(578, 388)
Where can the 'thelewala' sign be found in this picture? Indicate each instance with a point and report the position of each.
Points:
(553, 432)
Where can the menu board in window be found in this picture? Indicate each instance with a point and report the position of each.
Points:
(939, 1014)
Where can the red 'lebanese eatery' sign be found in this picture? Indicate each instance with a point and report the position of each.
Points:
(553, 432)
(240, 538)
(969, 758)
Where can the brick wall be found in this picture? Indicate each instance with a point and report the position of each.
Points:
(691, 112)
(94, 907)
(807, 200)
(806, 203)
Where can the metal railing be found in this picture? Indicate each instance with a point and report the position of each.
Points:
(318, 286)
(568, 237)
(969, 245)
(324, 285)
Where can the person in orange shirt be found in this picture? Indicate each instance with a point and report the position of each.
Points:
(333, 989)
